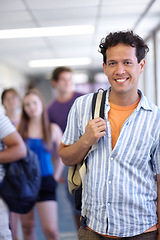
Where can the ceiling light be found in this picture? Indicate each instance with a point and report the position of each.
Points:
(47, 31)
(59, 62)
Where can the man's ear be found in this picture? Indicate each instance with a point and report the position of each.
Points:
(53, 83)
(105, 68)
(142, 65)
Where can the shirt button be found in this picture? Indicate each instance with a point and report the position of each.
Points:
(109, 182)
(111, 158)
(109, 204)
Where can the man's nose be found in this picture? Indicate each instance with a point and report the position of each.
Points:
(120, 69)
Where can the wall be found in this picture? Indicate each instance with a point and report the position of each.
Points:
(12, 77)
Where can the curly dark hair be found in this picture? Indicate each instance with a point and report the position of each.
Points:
(125, 37)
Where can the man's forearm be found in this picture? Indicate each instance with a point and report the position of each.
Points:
(73, 154)
(12, 154)
(14, 150)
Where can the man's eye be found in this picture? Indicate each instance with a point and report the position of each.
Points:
(26, 104)
(128, 63)
(111, 64)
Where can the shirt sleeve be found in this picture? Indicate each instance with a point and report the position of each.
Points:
(72, 133)
(156, 158)
(6, 127)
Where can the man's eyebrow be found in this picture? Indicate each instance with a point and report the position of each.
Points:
(128, 59)
(114, 60)
(111, 60)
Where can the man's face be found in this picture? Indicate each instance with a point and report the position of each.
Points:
(123, 69)
(11, 101)
(64, 84)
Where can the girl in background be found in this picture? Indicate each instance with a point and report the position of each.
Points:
(44, 139)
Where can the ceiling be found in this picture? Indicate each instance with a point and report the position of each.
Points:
(140, 15)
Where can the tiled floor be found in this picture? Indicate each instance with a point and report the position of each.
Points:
(67, 226)
(66, 222)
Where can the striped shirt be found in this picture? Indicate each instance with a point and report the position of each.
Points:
(6, 128)
(120, 197)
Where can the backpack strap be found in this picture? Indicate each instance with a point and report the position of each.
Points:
(98, 104)
(77, 173)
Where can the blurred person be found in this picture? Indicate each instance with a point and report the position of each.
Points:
(12, 148)
(12, 103)
(58, 110)
(43, 138)
(121, 191)
(59, 107)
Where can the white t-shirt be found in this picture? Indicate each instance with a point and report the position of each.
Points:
(6, 128)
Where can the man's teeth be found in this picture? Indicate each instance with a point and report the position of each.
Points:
(121, 80)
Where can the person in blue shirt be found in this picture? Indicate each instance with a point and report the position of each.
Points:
(43, 138)
(120, 197)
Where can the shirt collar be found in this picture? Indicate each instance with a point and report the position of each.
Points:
(144, 103)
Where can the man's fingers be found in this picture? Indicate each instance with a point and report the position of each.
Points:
(99, 119)
(95, 129)
(97, 123)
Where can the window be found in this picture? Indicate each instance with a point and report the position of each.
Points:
(149, 74)
(158, 66)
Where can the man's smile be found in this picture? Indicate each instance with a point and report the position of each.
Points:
(121, 79)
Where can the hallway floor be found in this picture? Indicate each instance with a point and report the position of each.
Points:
(67, 226)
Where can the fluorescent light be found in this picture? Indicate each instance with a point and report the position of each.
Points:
(47, 31)
(59, 62)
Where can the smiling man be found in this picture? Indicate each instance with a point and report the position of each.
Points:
(122, 185)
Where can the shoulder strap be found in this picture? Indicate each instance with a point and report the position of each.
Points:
(98, 103)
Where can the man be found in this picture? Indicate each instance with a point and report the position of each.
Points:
(58, 109)
(123, 168)
(58, 112)
(14, 150)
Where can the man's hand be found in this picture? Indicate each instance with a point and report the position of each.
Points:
(74, 154)
(95, 129)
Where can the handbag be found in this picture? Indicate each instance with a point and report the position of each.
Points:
(77, 172)
(21, 183)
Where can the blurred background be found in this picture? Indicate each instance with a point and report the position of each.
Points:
(36, 36)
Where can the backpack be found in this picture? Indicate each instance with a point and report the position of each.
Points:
(76, 173)
(21, 183)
